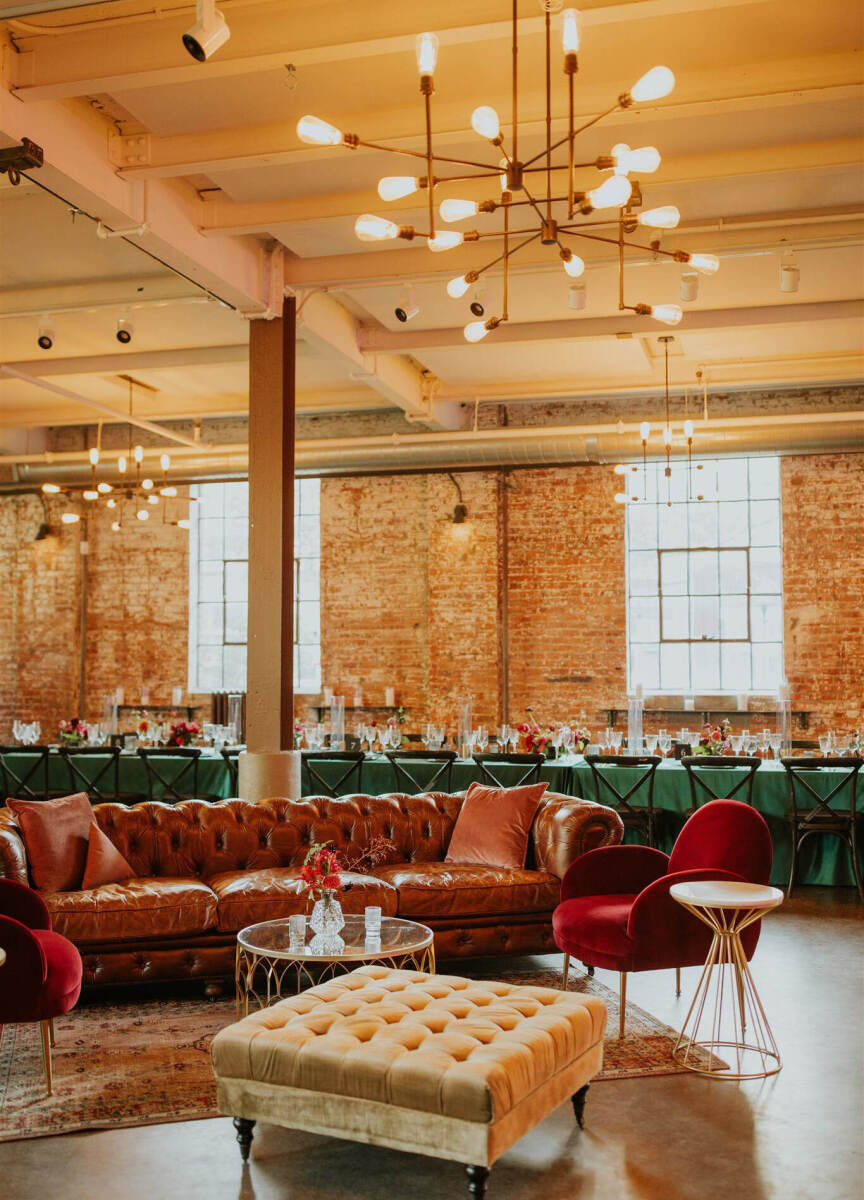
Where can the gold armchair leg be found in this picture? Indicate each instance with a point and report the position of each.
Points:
(46, 1054)
(565, 972)
(51, 1032)
(677, 981)
(622, 1012)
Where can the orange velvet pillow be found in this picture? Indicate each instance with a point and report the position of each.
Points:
(494, 824)
(105, 863)
(55, 833)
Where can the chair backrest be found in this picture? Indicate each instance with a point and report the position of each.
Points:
(24, 772)
(435, 766)
(494, 768)
(728, 835)
(172, 772)
(230, 757)
(94, 770)
(646, 766)
(701, 790)
(345, 779)
(809, 804)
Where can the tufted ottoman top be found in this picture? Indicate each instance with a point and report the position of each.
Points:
(463, 1048)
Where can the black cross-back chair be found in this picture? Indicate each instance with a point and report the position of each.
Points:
(230, 757)
(171, 787)
(695, 763)
(637, 817)
(438, 764)
(824, 818)
(23, 779)
(350, 760)
(102, 781)
(488, 762)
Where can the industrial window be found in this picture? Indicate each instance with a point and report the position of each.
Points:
(704, 577)
(219, 585)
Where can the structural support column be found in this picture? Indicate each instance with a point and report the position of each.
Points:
(270, 766)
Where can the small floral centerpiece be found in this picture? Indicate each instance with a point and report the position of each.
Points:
(321, 879)
(536, 741)
(299, 731)
(143, 727)
(73, 732)
(183, 733)
(714, 739)
(582, 740)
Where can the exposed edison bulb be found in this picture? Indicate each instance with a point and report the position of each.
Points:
(121, 464)
(484, 120)
(394, 187)
(143, 514)
(571, 33)
(475, 331)
(621, 497)
(104, 488)
(612, 192)
(445, 239)
(427, 53)
(165, 462)
(370, 228)
(168, 491)
(457, 210)
(315, 132)
(457, 287)
(688, 430)
(115, 526)
(184, 523)
(93, 455)
(152, 498)
(502, 178)
(138, 454)
(669, 314)
(665, 217)
(653, 85)
(706, 263)
(111, 503)
(620, 469)
(51, 489)
(90, 494)
(645, 160)
(574, 266)
(70, 518)
(147, 484)
(644, 431)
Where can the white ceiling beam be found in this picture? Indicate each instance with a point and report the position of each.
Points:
(383, 340)
(136, 360)
(76, 63)
(219, 216)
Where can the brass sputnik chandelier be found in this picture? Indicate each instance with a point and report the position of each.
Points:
(517, 179)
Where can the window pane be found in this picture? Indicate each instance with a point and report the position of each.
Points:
(235, 622)
(210, 499)
(645, 666)
(703, 573)
(766, 618)
(765, 570)
(309, 666)
(674, 666)
(644, 619)
(308, 622)
(703, 524)
(765, 523)
(731, 478)
(209, 668)
(767, 666)
(735, 667)
(764, 478)
(733, 523)
(306, 537)
(310, 579)
(733, 617)
(733, 570)
(210, 581)
(310, 496)
(643, 573)
(673, 573)
(673, 525)
(704, 617)
(234, 670)
(236, 499)
(706, 666)
(675, 489)
(676, 617)
(210, 624)
(236, 580)
(642, 526)
(237, 537)
(210, 538)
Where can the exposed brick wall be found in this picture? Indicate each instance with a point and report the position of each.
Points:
(823, 592)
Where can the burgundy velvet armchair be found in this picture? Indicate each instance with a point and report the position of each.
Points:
(616, 911)
(41, 976)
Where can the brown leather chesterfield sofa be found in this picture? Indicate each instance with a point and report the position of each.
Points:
(205, 870)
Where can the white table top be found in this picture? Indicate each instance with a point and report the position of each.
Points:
(726, 893)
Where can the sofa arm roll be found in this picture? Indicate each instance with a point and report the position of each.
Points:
(566, 827)
(13, 856)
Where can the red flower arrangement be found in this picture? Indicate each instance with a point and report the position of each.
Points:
(536, 741)
(73, 731)
(320, 870)
(714, 739)
(183, 733)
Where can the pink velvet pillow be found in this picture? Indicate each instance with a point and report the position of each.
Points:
(55, 833)
(494, 824)
(105, 863)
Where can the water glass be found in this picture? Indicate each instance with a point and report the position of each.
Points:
(297, 931)
(664, 741)
(616, 737)
(736, 743)
(372, 915)
(482, 738)
(514, 739)
(825, 745)
(775, 740)
(650, 742)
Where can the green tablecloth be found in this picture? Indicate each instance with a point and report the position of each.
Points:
(213, 778)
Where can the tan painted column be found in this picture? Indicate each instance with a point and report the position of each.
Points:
(270, 766)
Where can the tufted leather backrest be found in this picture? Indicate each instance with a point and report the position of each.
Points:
(202, 838)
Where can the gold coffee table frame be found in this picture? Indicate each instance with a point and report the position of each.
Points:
(267, 969)
(727, 908)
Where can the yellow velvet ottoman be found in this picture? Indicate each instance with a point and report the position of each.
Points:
(433, 1064)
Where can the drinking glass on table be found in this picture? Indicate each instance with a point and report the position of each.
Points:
(503, 737)
(514, 739)
(825, 744)
(775, 741)
(616, 738)
(686, 738)
(568, 739)
(650, 742)
(664, 741)
(765, 741)
(481, 738)
(736, 742)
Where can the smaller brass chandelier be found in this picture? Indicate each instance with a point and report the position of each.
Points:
(558, 215)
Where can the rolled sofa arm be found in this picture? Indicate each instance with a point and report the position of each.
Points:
(13, 856)
(566, 827)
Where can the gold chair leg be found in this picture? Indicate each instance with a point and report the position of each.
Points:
(677, 981)
(46, 1054)
(622, 1010)
(51, 1032)
(565, 972)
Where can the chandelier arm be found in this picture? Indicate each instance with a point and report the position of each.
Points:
(514, 54)
(549, 114)
(595, 237)
(576, 132)
(462, 162)
(571, 166)
(513, 250)
(533, 202)
(430, 175)
(506, 290)
(495, 233)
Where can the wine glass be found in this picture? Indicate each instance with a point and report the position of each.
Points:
(736, 742)
(568, 739)
(775, 741)
(825, 744)
(616, 737)
(664, 741)
(765, 741)
(16, 730)
(557, 739)
(514, 739)
(650, 742)
(481, 737)
(503, 737)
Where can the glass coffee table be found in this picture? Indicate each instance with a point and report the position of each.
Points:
(269, 968)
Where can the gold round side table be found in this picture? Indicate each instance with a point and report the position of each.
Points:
(726, 1033)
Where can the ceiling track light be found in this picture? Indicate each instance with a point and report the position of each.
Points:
(790, 273)
(125, 330)
(208, 34)
(46, 334)
(546, 214)
(407, 308)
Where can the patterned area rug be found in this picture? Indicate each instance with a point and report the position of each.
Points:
(146, 1062)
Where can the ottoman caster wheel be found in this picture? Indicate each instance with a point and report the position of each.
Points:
(244, 1136)
(477, 1177)
(578, 1100)
(213, 989)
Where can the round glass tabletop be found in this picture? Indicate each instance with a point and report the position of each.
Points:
(271, 939)
(726, 893)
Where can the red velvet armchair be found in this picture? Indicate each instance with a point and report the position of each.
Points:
(616, 911)
(40, 978)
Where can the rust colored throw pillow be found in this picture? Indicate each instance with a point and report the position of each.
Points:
(56, 834)
(105, 863)
(493, 825)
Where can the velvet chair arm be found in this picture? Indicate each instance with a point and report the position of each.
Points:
(660, 920)
(23, 973)
(21, 902)
(611, 869)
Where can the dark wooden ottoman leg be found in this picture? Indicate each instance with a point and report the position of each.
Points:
(578, 1099)
(244, 1135)
(477, 1177)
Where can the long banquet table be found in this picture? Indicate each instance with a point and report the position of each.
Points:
(823, 860)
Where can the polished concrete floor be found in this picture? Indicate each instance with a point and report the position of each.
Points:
(797, 1136)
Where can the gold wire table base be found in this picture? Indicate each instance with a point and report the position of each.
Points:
(267, 979)
(726, 1034)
